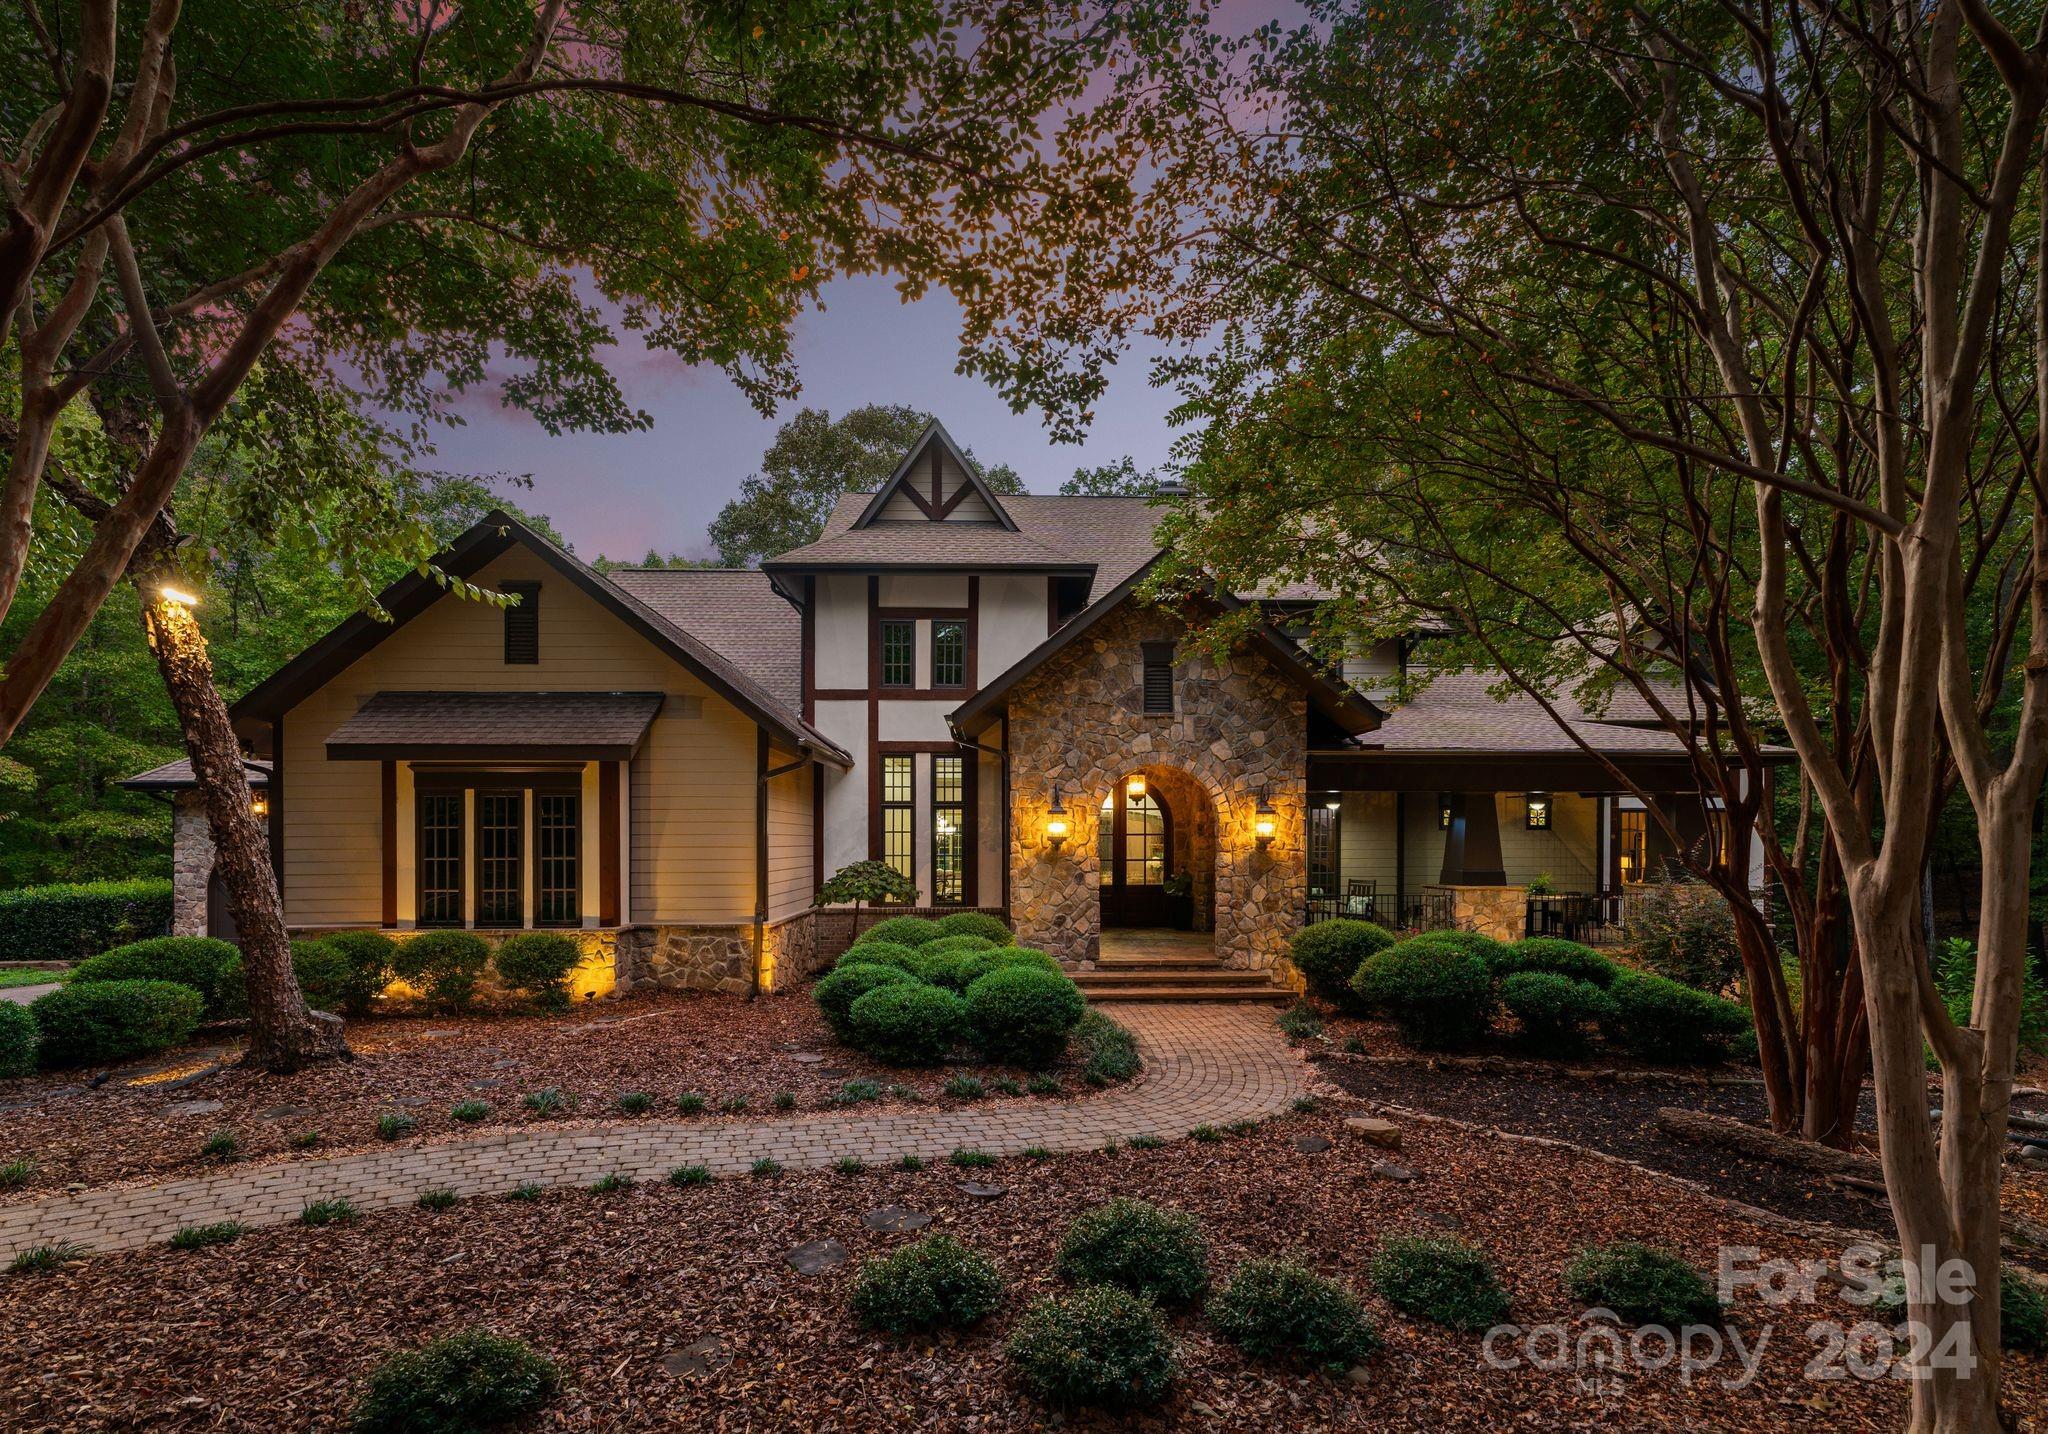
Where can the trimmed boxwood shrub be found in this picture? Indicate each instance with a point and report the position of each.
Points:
(933, 1284)
(322, 973)
(907, 1025)
(1137, 1246)
(1442, 1280)
(883, 953)
(444, 966)
(17, 1041)
(1100, 1345)
(96, 1022)
(837, 990)
(1022, 1015)
(1556, 1012)
(212, 968)
(1643, 1285)
(1660, 1020)
(1556, 956)
(1438, 993)
(369, 955)
(1329, 953)
(468, 1381)
(70, 920)
(976, 923)
(1275, 1309)
(537, 965)
(911, 931)
(1030, 956)
(959, 942)
(957, 970)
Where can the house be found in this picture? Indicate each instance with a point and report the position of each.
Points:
(965, 685)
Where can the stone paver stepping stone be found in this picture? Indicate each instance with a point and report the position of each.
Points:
(894, 1219)
(808, 1058)
(1443, 1220)
(505, 1065)
(814, 1257)
(487, 1083)
(980, 1191)
(1311, 1144)
(1372, 1128)
(286, 1112)
(408, 1100)
(834, 1072)
(192, 1107)
(1388, 1170)
(701, 1356)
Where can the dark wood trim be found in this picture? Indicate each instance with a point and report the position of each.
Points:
(609, 905)
(497, 779)
(1400, 856)
(808, 627)
(760, 856)
(817, 826)
(484, 756)
(933, 437)
(388, 821)
(277, 802)
(1003, 846)
(874, 696)
(970, 816)
(971, 665)
(1382, 771)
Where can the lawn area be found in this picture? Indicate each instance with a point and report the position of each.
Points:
(677, 1306)
(28, 978)
(741, 1059)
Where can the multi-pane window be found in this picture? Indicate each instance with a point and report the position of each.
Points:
(899, 813)
(1631, 839)
(949, 830)
(500, 850)
(949, 654)
(557, 848)
(1144, 842)
(440, 858)
(1322, 848)
(1105, 839)
(899, 653)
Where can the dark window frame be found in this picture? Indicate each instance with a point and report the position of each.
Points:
(507, 900)
(1120, 835)
(906, 804)
(1325, 847)
(956, 807)
(431, 784)
(907, 657)
(957, 678)
(427, 858)
(542, 858)
(522, 626)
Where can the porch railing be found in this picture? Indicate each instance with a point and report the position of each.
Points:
(1591, 920)
(1419, 911)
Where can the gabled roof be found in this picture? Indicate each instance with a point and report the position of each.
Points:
(496, 726)
(1350, 711)
(414, 593)
(177, 776)
(735, 612)
(904, 480)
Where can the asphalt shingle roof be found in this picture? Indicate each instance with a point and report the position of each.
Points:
(735, 612)
(176, 775)
(481, 722)
(1456, 712)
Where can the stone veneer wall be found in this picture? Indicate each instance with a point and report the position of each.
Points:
(191, 864)
(1239, 730)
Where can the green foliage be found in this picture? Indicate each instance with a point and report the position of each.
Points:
(223, 1144)
(1438, 992)
(690, 1103)
(212, 968)
(1560, 958)
(635, 1102)
(99, 1022)
(1043, 1084)
(317, 1213)
(444, 966)
(1471, 943)
(1274, 1309)
(1107, 1051)
(963, 942)
(968, 1158)
(1442, 1280)
(526, 1192)
(854, 1092)
(784, 1100)
(1029, 956)
(42, 1259)
(437, 1199)
(1643, 1285)
(65, 922)
(956, 970)
(1555, 1011)
(17, 1041)
(323, 973)
(1149, 1251)
(469, 1112)
(394, 1126)
(611, 1183)
(1329, 953)
(368, 954)
(1955, 974)
(911, 931)
(964, 1087)
(16, 1173)
(1683, 931)
(198, 1237)
(869, 952)
(865, 883)
(1119, 479)
(837, 990)
(1022, 1015)
(537, 964)
(849, 1165)
(2022, 1315)
(907, 1024)
(976, 923)
(548, 1100)
(685, 1175)
(1661, 1020)
(766, 1168)
(1101, 1346)
(456, 1385)
(1299, 1022)
(934, 1283)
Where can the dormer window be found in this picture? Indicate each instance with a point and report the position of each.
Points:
(522, 625)
(1158, 690)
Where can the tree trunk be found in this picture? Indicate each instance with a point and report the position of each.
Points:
(284, 1033)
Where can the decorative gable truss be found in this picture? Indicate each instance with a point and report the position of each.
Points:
(935, 483)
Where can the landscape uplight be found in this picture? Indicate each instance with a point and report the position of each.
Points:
(177, 596)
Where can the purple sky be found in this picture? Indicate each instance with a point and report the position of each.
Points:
(619, 495)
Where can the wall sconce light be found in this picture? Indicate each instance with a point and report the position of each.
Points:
(1135, 787)
(177, 597)
(1443, 813)
(1264, 825)
(1056, 822)
(1334, 801)
(259, 804)
(1539, 811)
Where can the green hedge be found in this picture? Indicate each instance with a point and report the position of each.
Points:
(444, 966)
(104, 1021)
(906, 1024)
(1661, 1020)
(369, 955)
(537, 964)
(67, 922)
(1438, 992)
(17, 1041)
(1100, 1345)
(1555, 956)
(1556, 1011)
(212, 968)
(467, 1381)
(1329, 953)
(837, 990)
(1022, 1015)
(902, 931)
(976, 923)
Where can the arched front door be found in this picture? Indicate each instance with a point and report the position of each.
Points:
(220, 912)
(1140, 886)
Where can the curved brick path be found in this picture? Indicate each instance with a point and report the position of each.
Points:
(1204, 1064)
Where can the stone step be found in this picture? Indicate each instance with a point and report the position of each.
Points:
(1176, 975)
(1120, 991)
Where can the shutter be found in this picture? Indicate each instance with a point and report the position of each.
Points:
(522, 625)
(1159, 677)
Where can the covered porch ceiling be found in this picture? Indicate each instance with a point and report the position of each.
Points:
(1354, 770)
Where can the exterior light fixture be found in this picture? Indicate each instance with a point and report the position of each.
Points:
(177, 597)
(259, 804)
(1443, 813)
(1334, 802)
(1539, 811)
(1264, 825)
(1056, 822)
(1135, 787)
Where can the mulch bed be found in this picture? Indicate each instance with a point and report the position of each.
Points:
(664, 1043)
(279, 1329)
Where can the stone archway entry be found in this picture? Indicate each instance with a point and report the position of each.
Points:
(1156, 853)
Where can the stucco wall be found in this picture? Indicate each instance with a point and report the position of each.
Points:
(1239, 730)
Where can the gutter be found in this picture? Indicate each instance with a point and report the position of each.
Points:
(764, 775)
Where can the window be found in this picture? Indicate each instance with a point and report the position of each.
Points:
(557, 857)
(1159, 678)
(899, 653)
(500, 852)
(522, 624)
(1144, 842)
(1538, 818)
(1322, 846)
(1105, 839)
(949, 654)
(1631, 842)
(949, 830)
(440, 858)
(899, 812)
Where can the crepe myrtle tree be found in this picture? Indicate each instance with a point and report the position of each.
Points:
(220, 209)
(1760, 280)
(866, 883)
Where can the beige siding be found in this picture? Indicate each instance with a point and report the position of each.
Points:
(789, 841)
(692, 798)
(952, 478)
(1567, 853)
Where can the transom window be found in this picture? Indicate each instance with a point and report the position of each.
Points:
(949, 830)
(899, 653)
(899, 811)
(949, 654)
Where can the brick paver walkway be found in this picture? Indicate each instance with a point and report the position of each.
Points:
(1204, 1064)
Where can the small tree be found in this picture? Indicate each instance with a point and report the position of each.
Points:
(865, 882)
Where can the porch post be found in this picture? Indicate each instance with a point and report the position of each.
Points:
(1472, 847)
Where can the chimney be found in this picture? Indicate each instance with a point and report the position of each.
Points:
(1171, 487)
